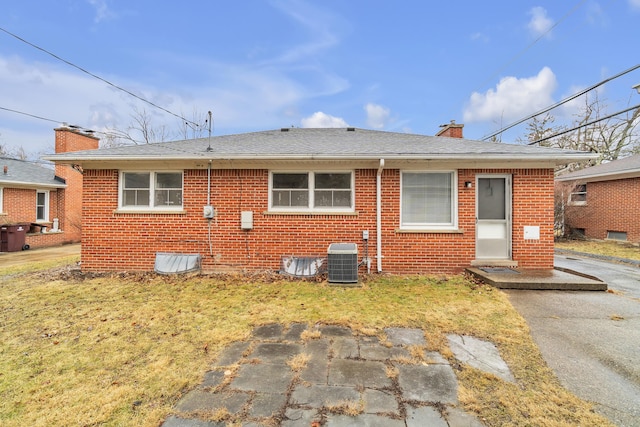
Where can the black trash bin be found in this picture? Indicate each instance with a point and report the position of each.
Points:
(12, 238)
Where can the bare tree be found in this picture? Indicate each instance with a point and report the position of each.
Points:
(540, 127)
(140, 131)
(16, 153)
(596, 131)
(197, 127)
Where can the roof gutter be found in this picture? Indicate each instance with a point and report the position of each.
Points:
(563, 158)
(26, 184)
(604, 176)
(379, 216)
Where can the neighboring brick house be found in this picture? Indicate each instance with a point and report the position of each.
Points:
(603, 201)
(47, 201)
(412, 203)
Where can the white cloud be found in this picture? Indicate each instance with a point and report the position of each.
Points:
(540, 24)
(317, 22)
(513, 98)
(244, 98)
(323, 120)
(635, 4)
(377, 115)
(481, 37)
(102, 10)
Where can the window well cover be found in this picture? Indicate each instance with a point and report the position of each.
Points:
(168, 263)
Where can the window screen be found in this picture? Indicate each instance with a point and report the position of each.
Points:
(427, 198)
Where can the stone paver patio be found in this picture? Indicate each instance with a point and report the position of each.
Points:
(343, 379)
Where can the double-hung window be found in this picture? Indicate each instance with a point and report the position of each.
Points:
(428, 200)
(151, 190)
(42, 205)
(579, 195)
(322, 191)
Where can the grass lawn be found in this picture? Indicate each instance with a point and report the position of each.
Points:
(600, 247)
(120, 350)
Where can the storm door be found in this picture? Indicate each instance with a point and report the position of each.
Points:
(493, 217)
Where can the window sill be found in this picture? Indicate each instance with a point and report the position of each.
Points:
(429, 231)
(313, 213)
(577, 203)
(149, 212)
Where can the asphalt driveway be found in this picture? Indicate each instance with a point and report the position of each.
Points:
(591, 339)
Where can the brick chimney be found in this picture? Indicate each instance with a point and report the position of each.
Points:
(69, 139)
(452, 130)
(70, 209)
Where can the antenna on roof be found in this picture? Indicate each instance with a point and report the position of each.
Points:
(210, 122)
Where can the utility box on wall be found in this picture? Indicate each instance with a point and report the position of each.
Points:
(342, 263)
(246, 220)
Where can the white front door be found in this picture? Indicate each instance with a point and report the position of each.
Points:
(493, 217)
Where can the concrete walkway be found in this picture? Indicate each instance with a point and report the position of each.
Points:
(13, 259)
(551, 279)
(331, 378)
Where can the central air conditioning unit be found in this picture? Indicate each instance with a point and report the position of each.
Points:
(342, 263)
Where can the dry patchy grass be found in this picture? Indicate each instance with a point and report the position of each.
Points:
(120, 350)
(600, 247)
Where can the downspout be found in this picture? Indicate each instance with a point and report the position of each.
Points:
(209, 204)
(379, 216)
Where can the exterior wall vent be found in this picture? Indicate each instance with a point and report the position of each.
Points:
(342, 263)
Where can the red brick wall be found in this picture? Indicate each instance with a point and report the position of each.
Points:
(127, 241)
(20, 205)
(611, 206)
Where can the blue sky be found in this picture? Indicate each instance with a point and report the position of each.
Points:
(404, 66)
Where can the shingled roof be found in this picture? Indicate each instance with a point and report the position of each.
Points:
(22, 173)
(628, 167)
(327, 144)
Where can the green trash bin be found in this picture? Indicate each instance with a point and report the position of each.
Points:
(13, 237)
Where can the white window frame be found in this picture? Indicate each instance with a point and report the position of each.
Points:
(453, 224)
(576, 193)
(152, 188)
(45, 207)
(1, 199)
(311, 192)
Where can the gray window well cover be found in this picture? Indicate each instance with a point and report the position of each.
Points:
(168, 263)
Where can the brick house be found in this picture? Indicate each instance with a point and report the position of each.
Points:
(411, 203)
(603, 201)
(48, 201)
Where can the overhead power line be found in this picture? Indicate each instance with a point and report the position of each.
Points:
(559, 103)
(98, 77)
(583, 125)
(72, 126)
(30, 115)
